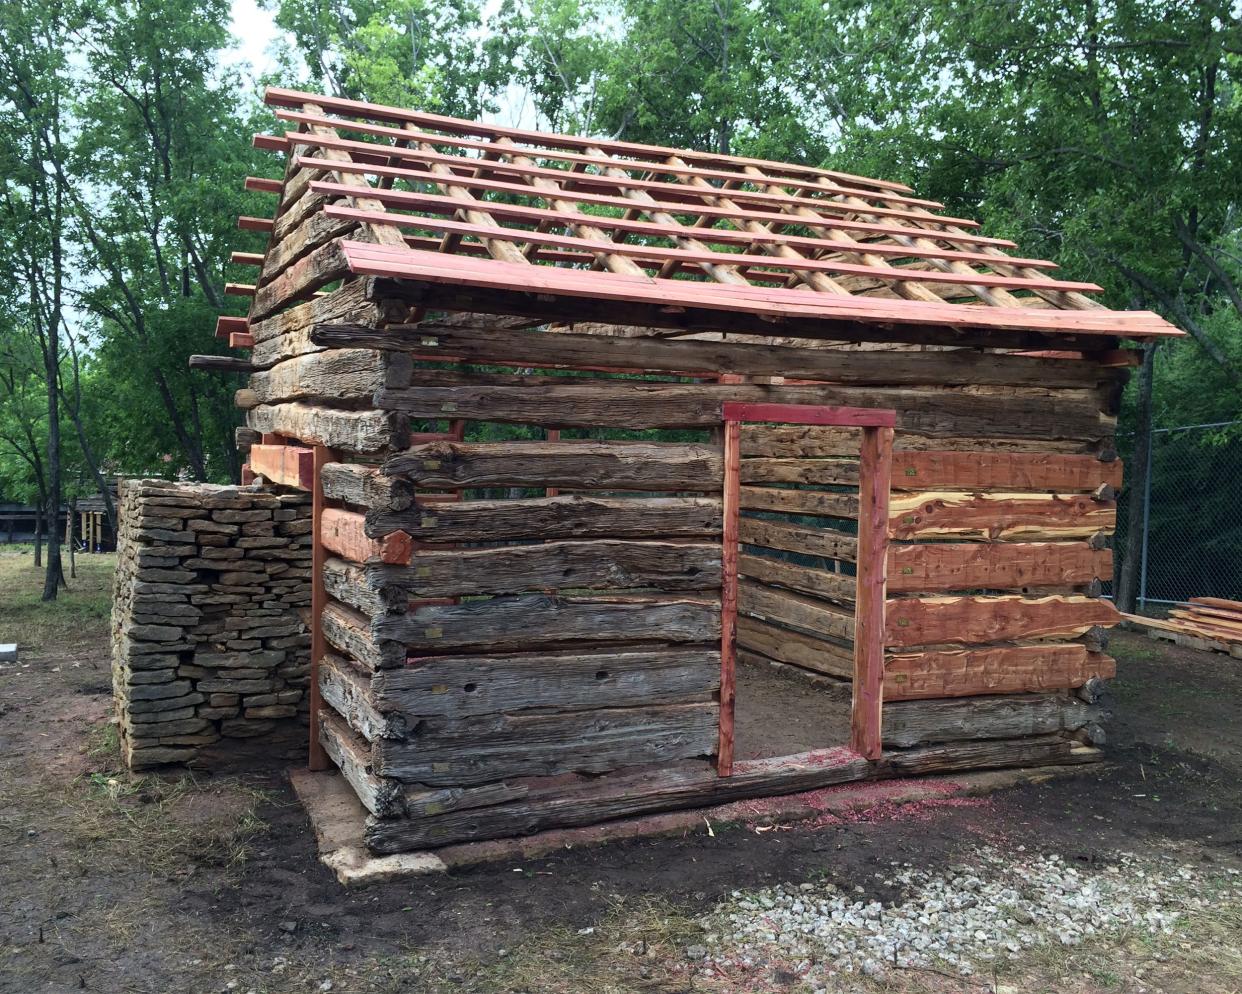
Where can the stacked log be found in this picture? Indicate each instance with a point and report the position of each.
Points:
(208, 642)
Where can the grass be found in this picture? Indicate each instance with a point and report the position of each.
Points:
(80, 613)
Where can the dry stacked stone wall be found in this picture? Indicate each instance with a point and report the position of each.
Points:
(209, 637)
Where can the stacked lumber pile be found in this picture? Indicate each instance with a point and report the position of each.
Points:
(207, 638)
(1211, 623)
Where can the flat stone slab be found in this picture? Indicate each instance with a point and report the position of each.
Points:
(337, 817)
(8, 652)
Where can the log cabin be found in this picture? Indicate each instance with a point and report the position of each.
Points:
(647, 478)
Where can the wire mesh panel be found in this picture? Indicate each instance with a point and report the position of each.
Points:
(1190, 516)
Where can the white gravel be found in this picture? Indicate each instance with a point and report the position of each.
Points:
(992, 906)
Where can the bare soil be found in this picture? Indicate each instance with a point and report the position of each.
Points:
(195, 882)
(780, 713)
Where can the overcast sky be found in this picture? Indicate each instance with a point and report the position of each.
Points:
(254, 31)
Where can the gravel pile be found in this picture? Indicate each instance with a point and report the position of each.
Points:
(992, 907)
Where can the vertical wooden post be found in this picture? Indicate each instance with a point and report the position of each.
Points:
(728, 594)
(875, 470)
(317, 757)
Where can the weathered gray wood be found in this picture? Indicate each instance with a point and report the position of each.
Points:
(803, 579)
(642, 404)
(351, 632)
(347, 583)
(806, 614)
(982, 754)
(827, 542)
(348, 690)
(487, 342)
(582, 465)
(814, 441)
(349, 431)
(221, 364)
(773, 470)
(912, 723)
(530, 620)
(366, 486)
(537, 806)
(464, 686)
(569, 515)
(820, 503)
(352, 757)
(609, 565)
(315, 230)
(287, 334)
(342, 374)
(301, 280)
(796, 648)
(441, 751)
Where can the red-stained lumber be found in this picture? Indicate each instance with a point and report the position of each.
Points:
(286, 465)
(974, 672)
(800, 414)
(728, 594)
(226, 326)
(873, 496)
(344, 532)
(241, 340)
(1049, 472)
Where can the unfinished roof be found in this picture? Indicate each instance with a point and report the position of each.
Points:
(509, 212)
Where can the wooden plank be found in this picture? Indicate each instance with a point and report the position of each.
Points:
(816, 442)
(869, 612)
(991, 670)
(808, 414)
(835, 471)
(287, 333)
(366, 486)
(350, 632)
(490, 747)
(348, 691)
(796, 648)
(966, 620)
(1218, 602)
(983, 754)
(340, 374)
(821, 503)
(913, 723)
(344, 532)
(639, 404)
(221, 363)
(241, 340)
(805, 614)
(226, 326)
(467, 686)
(581, 465)
(1003, 471)
(825, 542)
(555, 565)
(348, 431)
(564, 516)
(535, 806)
(814, 581)
(284, 465)
(346, 582)
(352, 757)
(491, 343)
(943, 566)
(524, 621)
(729, 594)
(992, 516)
(301, 280)
(317, 758)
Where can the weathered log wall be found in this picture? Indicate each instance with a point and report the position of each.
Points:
(523, 631)
(208, 642)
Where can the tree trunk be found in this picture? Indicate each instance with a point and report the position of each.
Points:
(39, 533)
(1128, 581)
(55, 571)
(70, 518)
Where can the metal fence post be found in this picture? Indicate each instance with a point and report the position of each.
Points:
(1142, 590)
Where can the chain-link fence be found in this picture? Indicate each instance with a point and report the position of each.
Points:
(1190, 515)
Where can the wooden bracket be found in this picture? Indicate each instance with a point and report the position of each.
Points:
(285, 465)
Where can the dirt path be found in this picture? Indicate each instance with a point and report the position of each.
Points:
(211, 884)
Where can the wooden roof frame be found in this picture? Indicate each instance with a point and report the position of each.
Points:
(537, 224)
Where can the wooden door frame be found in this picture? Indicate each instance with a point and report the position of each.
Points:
(875, 475)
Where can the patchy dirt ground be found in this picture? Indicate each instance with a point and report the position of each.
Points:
(205, 884)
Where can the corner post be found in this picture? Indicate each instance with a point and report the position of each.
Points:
(875, 472)
(728, 592)
(317, 758)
